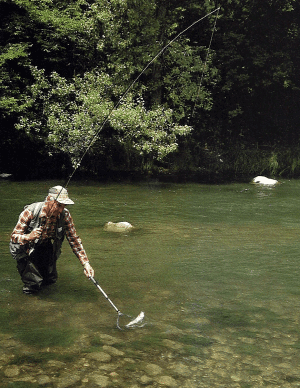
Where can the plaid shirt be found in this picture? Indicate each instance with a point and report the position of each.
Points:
(48, 232)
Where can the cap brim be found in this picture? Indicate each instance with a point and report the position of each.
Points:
(65, 201)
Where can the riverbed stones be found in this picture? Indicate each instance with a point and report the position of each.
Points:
(167, 381)
(146, 380)
(100, 380)
(113, 351)
(43, 380)
(153, 369)
(67, 380)
(180, 369)
(172, 344)
(99, 356)
(12, 371)
(108, 339)
(55, 364)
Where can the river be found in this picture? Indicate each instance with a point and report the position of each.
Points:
(215, 269)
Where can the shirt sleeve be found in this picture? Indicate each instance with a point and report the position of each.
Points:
(21, 228)
(73, 239)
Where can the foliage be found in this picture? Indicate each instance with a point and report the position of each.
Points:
(151, 133)
(65, 64)
(75, 112)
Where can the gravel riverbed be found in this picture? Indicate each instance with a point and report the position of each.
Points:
(102, 360)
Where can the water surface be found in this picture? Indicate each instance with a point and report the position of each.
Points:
(215, 268)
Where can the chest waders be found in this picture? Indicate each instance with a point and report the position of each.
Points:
(36, 261)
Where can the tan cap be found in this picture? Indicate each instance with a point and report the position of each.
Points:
(60, 194)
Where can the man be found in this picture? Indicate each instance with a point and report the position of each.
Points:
(37, 238)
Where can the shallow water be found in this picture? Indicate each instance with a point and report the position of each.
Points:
(215, 268)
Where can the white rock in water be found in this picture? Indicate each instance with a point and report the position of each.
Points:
(262, 180)
(118, 226)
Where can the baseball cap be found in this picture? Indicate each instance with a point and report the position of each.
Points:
(60, 194)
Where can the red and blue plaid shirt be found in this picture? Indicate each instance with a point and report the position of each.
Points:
(48, 232)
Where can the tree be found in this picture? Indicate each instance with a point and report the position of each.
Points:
(75, 112)
(258, 58)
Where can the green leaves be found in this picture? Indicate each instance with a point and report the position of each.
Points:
(74, 114)
(152, 133)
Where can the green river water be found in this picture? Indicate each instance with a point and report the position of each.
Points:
(215, 268)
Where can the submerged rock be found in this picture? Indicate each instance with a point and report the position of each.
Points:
(180, 369)
(153, 369)
(118, 226)
(108, 339)
(146, 380)
(43, 380)
(100, 380)
(99, 356)
(12, 371)
(167, 381)
(55, 364)
(113, 351)
(67, 380)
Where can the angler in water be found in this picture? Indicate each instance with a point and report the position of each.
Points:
(37, 238)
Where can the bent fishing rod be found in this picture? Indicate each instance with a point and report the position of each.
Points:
(94, 137)
(139, 319)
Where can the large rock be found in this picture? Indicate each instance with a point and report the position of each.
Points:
(118, 226)
(262, 180)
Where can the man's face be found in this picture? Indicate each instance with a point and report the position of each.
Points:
(54, 208)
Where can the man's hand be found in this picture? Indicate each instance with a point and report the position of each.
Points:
(88, 270)
(35, 234)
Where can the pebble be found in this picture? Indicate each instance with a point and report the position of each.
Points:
(68, 380)
(181, 369)
(99, 356)
(108, 339)
(113, 351)
(100, 380)
(153, 369)
(43, 380)
(172, 344)
(167, 381)
(146, 380)
(56, 364)
(12, 371)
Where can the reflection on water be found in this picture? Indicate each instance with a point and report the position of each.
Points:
(215, 268)
(265, 191)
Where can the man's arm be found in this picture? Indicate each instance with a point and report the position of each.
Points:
(76, 244)
(19, 233)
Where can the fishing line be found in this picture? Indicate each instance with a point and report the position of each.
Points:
(206, 59)
(139, 319)
(77, 165)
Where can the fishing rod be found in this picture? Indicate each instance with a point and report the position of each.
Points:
(77, 165)
(90, 143)
(137, 321)
(206, 59)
